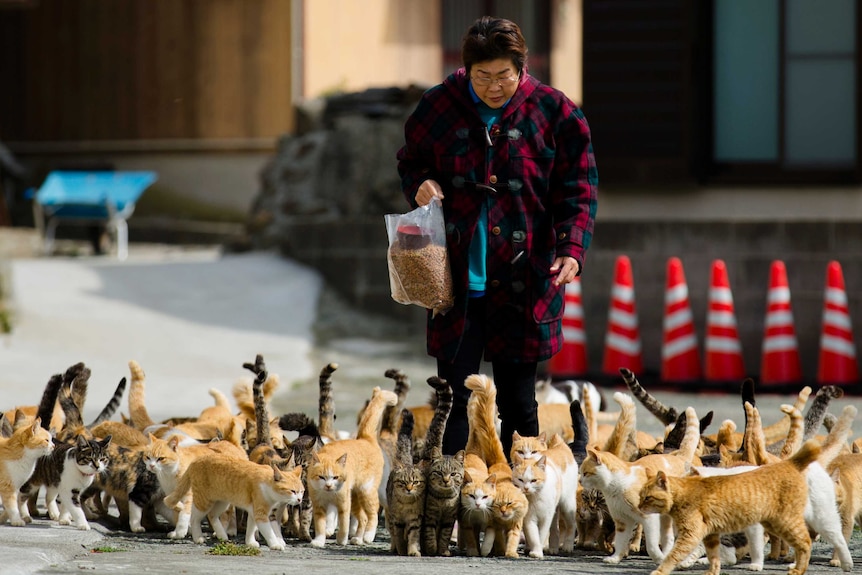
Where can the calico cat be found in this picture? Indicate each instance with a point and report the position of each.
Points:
(703, 508)
(509, 506)
(218, 481)
(621, 481)
(550, 484)
(18, 456)
(65, 473)
(349, 471)
(405, 494)
(444, 478)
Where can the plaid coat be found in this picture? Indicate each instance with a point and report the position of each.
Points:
(540, 184)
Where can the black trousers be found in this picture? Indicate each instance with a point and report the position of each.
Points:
(515, 381)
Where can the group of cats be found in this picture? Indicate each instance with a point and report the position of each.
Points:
(590, 479)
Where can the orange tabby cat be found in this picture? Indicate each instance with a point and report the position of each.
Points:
(703, 508)
(345, 475)
(218, 481)
(18, 456)
(510, 505)
(620, 482)
(846, 472)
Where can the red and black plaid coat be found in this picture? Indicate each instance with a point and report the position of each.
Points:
(541, 183)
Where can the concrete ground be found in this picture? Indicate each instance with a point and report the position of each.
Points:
(191, 316)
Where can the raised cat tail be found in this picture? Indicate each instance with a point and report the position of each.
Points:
(404, 445)
(138, 414)
(219, 398)
(836, 441)
(815, 415)
(808, 453)
(691, 438)
(622, 441)
(402, 386)
(666, 415)
(443, 399)
(112, 406)
(261, 412)
(326, 402)
(581, 431)
(49, 400)
(485, 392)
(589, 416)
(369, 425)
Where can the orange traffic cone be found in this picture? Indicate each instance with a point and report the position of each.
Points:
(837, 364)
(722, 348)
(622, 339)
(571, 361)
(679, 359)
(780, 362)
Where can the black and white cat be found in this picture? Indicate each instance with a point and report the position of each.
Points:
(65, 473)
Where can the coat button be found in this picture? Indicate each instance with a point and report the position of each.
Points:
(495, 283)
(562, 236)
(493, 179)
(495, 230)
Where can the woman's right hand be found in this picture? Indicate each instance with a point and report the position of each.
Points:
(428, 190)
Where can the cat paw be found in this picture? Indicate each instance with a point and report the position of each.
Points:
(64, 521)
(536, 554)
(177, 535)
(201, 540)
(354, 541)
(318, 542)
(754, 567)
(414, 553)
(83, 526)
(17, 522)
(138, 529)
(613, 559)
(278, 546)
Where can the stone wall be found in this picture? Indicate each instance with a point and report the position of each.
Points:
(351, 254)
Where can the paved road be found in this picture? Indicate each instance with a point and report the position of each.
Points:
(191, 317)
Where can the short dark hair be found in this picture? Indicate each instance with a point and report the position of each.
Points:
(492, 38)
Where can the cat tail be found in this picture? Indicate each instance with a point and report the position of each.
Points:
(815, 415)
(261, 412)
(184, 484)
(581, 431)
(590, 416)
(808, 453)
(404, 445)
(326, 402)
(484, 393)
(219, 398)
(140, 417)
(298, 422)
(836, 442)
(667, 415)
(691, 438)
(794, 435)
(779, 430)
(49, 399)
(443, 399)
(402, 386)
(70, 409)
(369, 425)
(112, 406)
(77, 379)
(622, 438)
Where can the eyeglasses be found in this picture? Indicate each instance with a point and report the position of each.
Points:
(503, 82)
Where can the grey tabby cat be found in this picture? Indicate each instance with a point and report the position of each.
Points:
(405, 494)
(66, 472)
(445, 475)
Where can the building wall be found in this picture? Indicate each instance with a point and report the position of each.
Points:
(352, 45)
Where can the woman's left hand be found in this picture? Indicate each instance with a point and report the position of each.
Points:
(568, 269)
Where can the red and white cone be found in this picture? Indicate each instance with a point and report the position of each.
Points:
(622, 338)
(679, 357)
(779, 362)
(837, 363)
(571, 361)
(722, 348)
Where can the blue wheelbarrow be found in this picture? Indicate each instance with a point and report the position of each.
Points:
(90, 198)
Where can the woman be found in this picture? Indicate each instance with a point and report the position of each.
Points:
(511, 161)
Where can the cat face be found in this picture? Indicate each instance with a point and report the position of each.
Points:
(528, 448)
(655, 497)
(408, 482)
(288, 485)
(479, 495)
(38, 439)
(529, 476)
(91, 456)
(508, 508)
(592, 472)
(446, 475)
(326, 474)
(161, 456)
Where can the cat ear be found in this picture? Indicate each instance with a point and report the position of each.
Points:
(81, 441)
(342, 460)
(543, 461)
(174, 442)
(661, 480)
(107, 441)
(491, 479)
(460, 456)
(467, 477)
(37, 423)
(543, 437)
(298, 471)
(276, 473)
(152, 437)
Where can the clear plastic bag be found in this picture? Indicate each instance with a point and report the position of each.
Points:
(419, 272)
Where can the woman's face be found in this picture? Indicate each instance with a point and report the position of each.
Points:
(494, 81)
